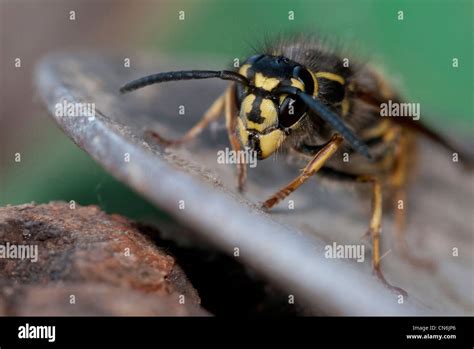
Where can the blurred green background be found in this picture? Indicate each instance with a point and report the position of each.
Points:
(416, 52)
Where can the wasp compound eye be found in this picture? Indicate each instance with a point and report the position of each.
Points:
(305, 77)
(291, 110)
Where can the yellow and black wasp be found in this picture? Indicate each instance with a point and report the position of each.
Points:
(300, 96)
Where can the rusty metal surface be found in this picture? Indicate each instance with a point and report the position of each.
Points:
(104, 261)
(286, 246)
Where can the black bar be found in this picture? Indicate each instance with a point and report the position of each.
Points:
(386, 331)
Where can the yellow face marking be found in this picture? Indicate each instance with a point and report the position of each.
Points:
(265, 82)
(254, 126)
(271, 142)
(298, 84)
(246, 106)
(244, 70)
(269, 112)
(330, 76)
(243, 134)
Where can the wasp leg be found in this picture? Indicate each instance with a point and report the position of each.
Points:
(213, 113)
(398, 181)
(313, 166)
(375, 229)
(230, 121)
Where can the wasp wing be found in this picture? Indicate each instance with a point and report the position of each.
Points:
(375, 99)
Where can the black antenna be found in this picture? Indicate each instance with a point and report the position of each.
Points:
(183, 75)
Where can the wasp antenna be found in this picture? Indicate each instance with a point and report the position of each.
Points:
(183, 75)
(336, 122)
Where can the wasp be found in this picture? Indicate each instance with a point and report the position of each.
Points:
(300, 96)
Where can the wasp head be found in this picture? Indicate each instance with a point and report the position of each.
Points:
(268, 113)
